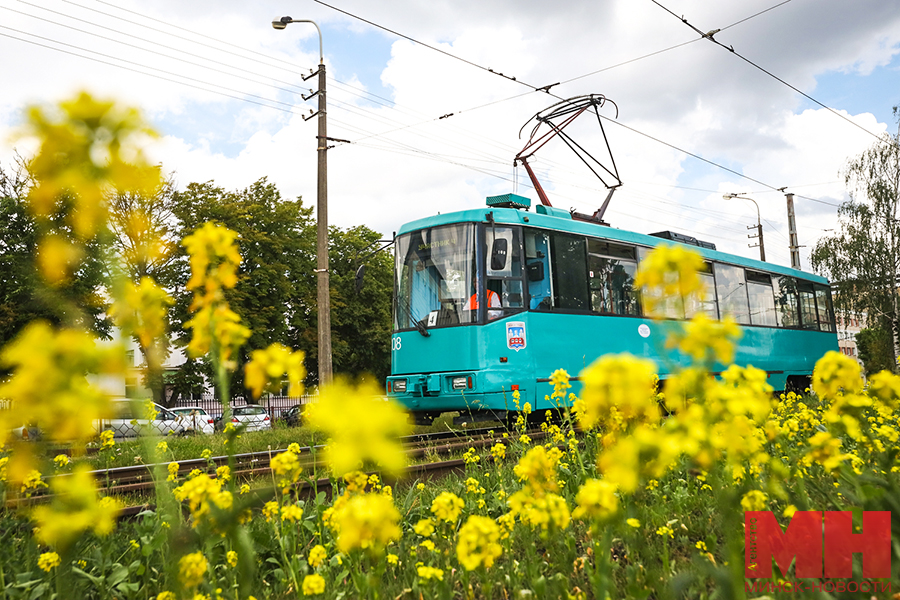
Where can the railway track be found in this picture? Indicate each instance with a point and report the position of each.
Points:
(138, 479)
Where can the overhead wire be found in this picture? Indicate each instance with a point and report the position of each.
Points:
(547, 90)
(437, 156)
(709, 36)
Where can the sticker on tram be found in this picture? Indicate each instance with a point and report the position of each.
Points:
(515, 335)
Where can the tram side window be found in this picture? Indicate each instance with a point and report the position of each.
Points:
(732, 292)
(787, 303)
(611, 271)
(762, 299)
(568, 268)
(826, 311)
(808, 319)
(537, 269)
(705, 301)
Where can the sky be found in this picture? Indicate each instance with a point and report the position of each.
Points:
(689, 120)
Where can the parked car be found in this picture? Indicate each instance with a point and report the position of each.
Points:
(293, 416)
(131, 419)
(254, 417)
(195, 419)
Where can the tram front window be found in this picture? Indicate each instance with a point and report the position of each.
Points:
(435, 274)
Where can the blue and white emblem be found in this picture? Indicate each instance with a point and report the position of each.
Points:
(515, 335)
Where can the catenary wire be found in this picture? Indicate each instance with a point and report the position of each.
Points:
(731, 49)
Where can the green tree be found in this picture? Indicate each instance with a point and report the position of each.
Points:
(23, 297)
(863, 259)
(360, 320)
(275, 294)
(875, 349)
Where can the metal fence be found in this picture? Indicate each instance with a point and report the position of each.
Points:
(274, 405)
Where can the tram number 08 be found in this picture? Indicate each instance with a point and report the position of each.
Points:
(395, 344)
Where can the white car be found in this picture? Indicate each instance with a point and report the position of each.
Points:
(254, 417)
(195, 419)
(132, 418)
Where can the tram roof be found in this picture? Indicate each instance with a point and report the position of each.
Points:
(560, 220)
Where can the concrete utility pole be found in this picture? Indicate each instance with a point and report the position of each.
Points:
(759, 230)
(792, 232)
(322, 281)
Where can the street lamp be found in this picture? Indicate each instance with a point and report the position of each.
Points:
(322, 283)
(759, 231)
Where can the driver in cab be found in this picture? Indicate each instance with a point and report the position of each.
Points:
(493, 302)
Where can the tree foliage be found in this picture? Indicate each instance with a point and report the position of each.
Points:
(875, 349)
(863, 258)
(23, 296)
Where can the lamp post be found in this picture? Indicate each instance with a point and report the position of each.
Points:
(759, 231)
(322, 280)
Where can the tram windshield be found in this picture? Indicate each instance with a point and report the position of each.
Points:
(435, 275)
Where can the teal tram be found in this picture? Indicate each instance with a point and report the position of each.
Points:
(494, 300)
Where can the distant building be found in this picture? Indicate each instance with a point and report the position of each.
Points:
(847, 328)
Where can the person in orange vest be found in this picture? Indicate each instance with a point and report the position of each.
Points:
(493, 302)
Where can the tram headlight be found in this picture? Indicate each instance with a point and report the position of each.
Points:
(399, 385)
(460, 383)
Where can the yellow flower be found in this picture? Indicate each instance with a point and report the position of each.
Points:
(665, 530)
(478, 543)
(106, 439)
(203, 495)
(559, 379)
(245, 487)
(32, 483)
(471, 457)
(173, 471)
(354, 442)
(701, 545)
(619, 382)
(313, 584)
(427, 544)
(704, 339)
(317, 556)
(498, 451)
(48, 385)
(524, 439)
(668, 274)
(270, 510)
(162, 447)
(266, 368)
(538, 468)
(141, 310)
(134, 545)
(232, 558)
(61, 460)
(596, 500)
(424, 527)
(632, 522)
(206, 454)
(835, 372)
(427, 573)
(75, 508)
(420, 486)
(286, 466)
(223, 473)
(191, 569)
(447, 507)
(754, 500)
(366, 521)
(48, 561)
(91, 146)
(548, 511)
(291, 512)
(392, 559)
(166, 596)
